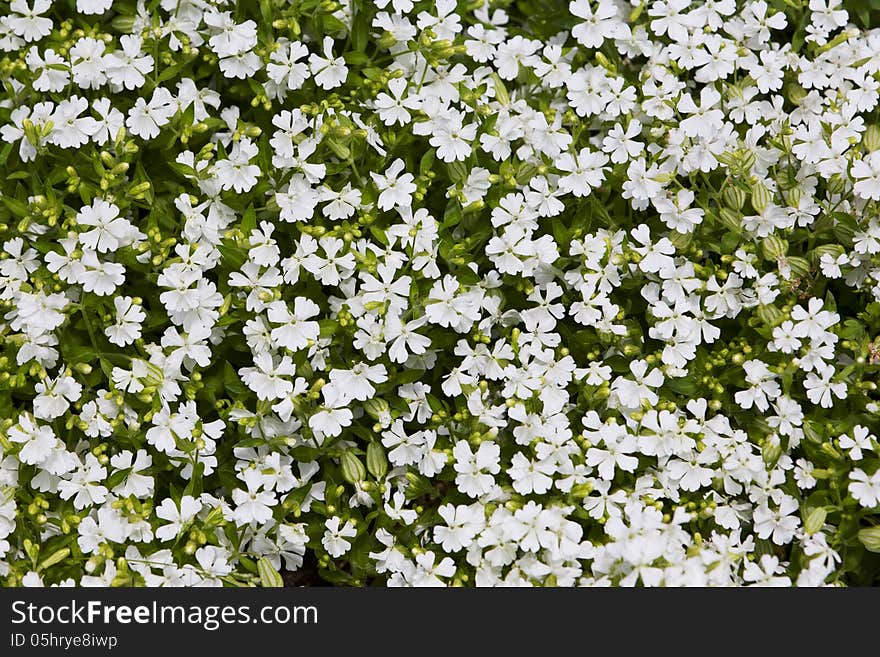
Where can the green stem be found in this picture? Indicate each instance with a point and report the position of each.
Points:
(91, 332)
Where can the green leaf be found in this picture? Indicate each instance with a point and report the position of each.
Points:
(328, 327)
(452, 215)
(194, 486)
(117, 478)
(232, 382)
(189, 115)
(4, 153)
(729, 242)
(233, 255)
(426, 164)
(683, 386)
(249, 564)
(355, 58)
(181, 169)
(75, 353)
(172, 71)
(17, 208)
(360, 35)
(249, 220)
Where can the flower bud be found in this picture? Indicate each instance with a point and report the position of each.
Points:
(761, 197)
(140, 189)
(773, 247)
(730, 219)
(123, 24)
(796, 93)
(771, 451)
(871, 138)
(800, 267)
(870, 538)
(352, 468)
(770, 314)
(833, 250)
(83, 368)
(377, 462)
(814, 519)
(836, 184)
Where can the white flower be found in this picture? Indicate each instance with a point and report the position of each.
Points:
(235, 172)
(475, 469)
(93, 6)
(177, 516)
(37, 442)
(146, 119)
(129, 317)
(268, 379)
(253, 506)
(294, 332)
(394, 189)
(329, 72)
(28, 21)
(334, 538)
(110, 230)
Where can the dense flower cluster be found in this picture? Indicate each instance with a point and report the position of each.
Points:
(473, 292)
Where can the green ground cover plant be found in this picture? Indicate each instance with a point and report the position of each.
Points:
(402, 293)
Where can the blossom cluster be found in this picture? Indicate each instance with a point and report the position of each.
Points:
(439, 293)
